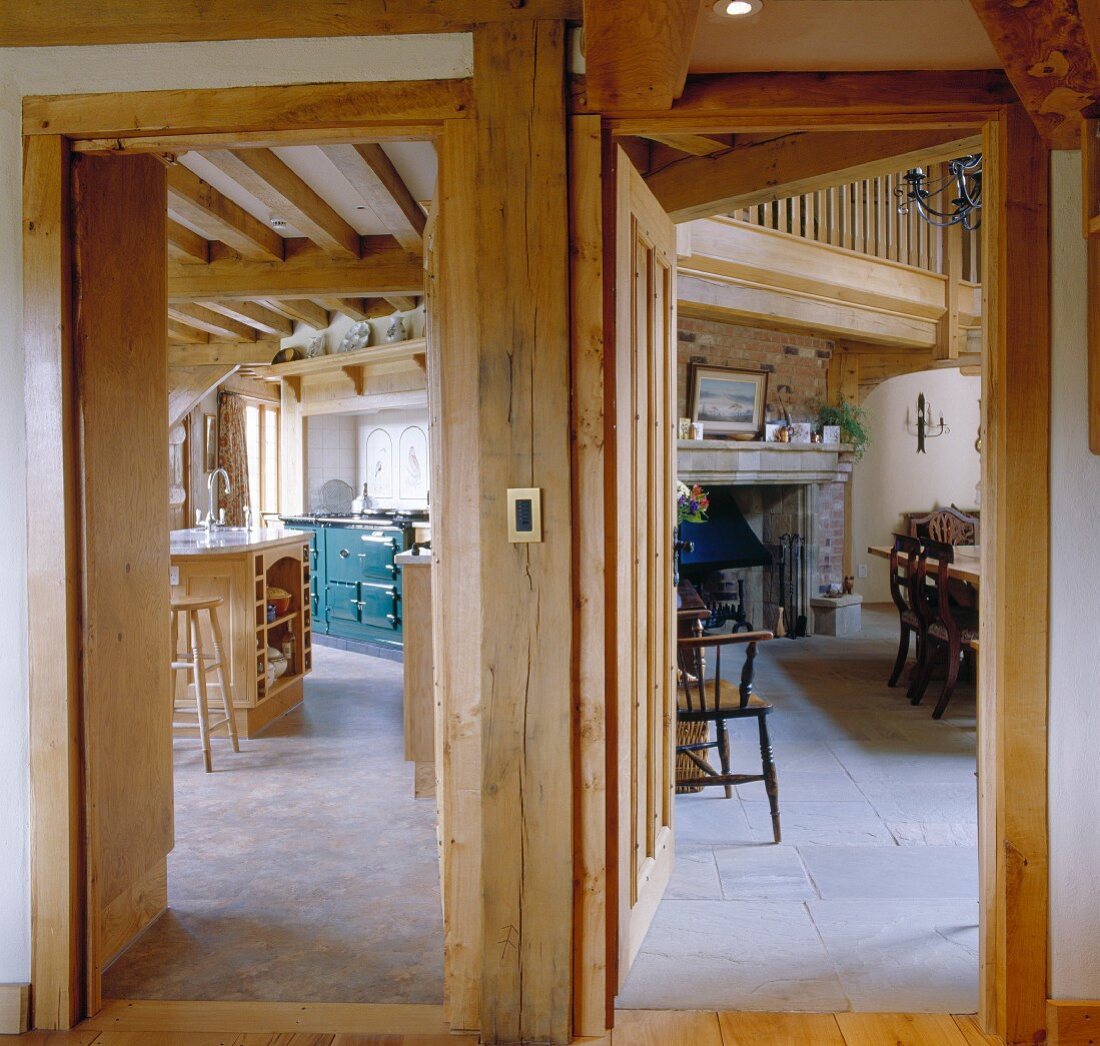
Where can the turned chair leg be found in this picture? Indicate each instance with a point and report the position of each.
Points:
(724, 754)
(903, 653)
(954, 655)
(771, 781)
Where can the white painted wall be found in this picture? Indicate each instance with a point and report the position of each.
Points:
(893, 479)
(14, 774)
(1074, 788)
(64, 70)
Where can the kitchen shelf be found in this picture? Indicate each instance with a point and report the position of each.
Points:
(281, 620)
(353, 364)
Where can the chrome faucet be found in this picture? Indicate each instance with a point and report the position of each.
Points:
(213, 522)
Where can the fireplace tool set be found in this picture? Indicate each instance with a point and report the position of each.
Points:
(791, 620)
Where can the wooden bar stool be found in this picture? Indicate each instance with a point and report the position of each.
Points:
(200, 664)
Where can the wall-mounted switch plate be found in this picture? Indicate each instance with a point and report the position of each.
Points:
(524, 514)
(173, 575)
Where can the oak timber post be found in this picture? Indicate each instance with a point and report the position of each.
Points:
(504, 236)
(1014, 664)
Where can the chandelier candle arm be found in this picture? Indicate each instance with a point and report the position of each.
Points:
(964, 176)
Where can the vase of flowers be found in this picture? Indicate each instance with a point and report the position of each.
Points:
(691, 507)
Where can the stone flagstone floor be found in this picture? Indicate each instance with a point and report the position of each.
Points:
(304, 869)
(870, 901)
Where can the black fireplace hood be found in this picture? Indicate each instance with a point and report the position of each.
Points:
(724, 542)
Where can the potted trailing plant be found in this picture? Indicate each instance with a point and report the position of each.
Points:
(852, 419)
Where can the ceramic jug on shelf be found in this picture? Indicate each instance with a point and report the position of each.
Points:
(396, 330)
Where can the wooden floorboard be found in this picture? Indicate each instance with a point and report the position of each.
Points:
(268, 1024)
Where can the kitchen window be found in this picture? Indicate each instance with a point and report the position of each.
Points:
(262, 441)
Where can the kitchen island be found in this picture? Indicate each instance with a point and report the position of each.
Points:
(241, 566)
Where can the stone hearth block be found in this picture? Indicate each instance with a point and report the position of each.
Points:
(837, 617)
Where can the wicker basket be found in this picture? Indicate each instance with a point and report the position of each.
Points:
(686, 770)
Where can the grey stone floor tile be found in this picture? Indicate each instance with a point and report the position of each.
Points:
(695, 875)
(933, 833)
(923, 801)
(824, 824)
(709, 818)
(903, 872)
(917, 956)
(765, 873)
(831, 787)
(756, 955)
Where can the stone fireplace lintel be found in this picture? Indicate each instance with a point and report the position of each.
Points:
(732, 463)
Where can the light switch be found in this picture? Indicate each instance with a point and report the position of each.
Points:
(173, 575)
(524, 514)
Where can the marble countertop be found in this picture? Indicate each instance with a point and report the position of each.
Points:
(229, 540)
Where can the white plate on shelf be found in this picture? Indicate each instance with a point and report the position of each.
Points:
(337, 496)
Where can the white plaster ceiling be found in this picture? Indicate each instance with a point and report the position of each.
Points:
(415, 161)
(839, 35)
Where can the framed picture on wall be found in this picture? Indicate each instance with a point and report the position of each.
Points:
(728, 401)
(209, 442)
(379, 464)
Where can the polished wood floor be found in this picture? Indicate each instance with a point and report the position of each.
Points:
(338, 1024)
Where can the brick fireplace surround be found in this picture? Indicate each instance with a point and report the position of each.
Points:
(775, 498)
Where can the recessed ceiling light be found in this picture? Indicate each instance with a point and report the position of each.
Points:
(738, 8)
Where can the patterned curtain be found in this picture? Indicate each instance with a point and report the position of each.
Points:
(233, 457)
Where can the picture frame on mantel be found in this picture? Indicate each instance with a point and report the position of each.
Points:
(728, 401)
(209, 442)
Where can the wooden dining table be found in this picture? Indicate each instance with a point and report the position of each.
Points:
(966, 567)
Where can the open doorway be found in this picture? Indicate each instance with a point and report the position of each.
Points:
(806, 306)
(992, 348)
(236, 885)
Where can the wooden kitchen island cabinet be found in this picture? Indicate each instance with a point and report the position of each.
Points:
(240, 566)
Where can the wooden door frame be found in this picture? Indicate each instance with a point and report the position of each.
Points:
(1012, 750)
(55, 128)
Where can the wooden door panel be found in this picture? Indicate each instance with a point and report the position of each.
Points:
(122, 381)
(641, 403)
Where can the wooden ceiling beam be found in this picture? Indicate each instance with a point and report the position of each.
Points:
(199, 203)
(185, 245)
(307, 272)
(372, 174)
(66, 23)
(636, 55)
(792, 164)
(401, 302)
(262, 174)
(358, 308)
(1045, 49)
(265, 320)
(302, 311)
(224, 353)
(180, 332)
(720, 103)
(694, 144)
(204, 319)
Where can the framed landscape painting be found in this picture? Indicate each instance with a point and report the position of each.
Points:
(728, 401)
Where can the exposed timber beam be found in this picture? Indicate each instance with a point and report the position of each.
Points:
(204, 319)
(261, 173)
(724, 102)
(302, 311)
(190, 198)
(184, 334)
(694, 144)
(372, 174)
(185, 245)
(1046, 53)
(224, 353)
(265, 320)
(401, 302)
(65, 23)
(636, 55)
(356, 308)
(247, 110)
(792, 164)
(308, 272)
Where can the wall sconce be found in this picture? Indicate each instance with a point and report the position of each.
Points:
(925, 429)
